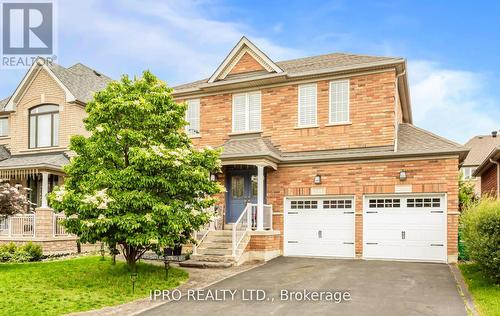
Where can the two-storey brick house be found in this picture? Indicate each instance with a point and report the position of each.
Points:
(324, 153)
(36, 123)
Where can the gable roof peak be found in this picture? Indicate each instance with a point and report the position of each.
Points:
(244, 46)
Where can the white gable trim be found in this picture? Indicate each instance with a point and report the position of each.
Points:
(243, 46)
(30, 75)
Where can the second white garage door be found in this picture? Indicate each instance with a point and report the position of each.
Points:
(405, 227)
(322, 227)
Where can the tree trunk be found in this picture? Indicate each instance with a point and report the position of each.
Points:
(131, 255)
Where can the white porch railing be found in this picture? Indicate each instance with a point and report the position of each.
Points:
(242, 225)
(200, 235)
(268, 216)
(20, 225)
(58, 228)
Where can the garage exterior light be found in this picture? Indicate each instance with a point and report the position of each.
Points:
(402, 175)
(317, 179)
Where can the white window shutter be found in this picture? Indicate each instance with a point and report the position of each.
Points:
(193, 117)
(254, 111)
(339, 101)
(239, 113)
(307, 105)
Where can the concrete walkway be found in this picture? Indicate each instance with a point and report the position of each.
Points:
(375, 288)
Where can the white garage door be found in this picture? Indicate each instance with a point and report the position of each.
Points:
(322, 227)
(405, 227)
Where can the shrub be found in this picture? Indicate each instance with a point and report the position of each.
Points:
(10, 247)
(463, 254)
(34, 251)
(28, 252)
(481, 233)
(20, 256)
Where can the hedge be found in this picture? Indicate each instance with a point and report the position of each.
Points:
(480, 225)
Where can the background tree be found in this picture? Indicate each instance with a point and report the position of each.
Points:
(466, 193)
(13, 199)
(136, 181)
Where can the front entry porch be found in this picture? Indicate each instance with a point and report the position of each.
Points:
(245, 227)
(40, 173)
(246, 189)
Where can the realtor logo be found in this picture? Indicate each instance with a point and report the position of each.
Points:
(27, 32)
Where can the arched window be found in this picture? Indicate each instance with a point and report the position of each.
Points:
(44, 126)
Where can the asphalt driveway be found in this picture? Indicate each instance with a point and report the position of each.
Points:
(375, 288)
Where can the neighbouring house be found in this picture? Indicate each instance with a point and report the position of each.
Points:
(489, 171)
(480, 147)
(320, 158)
(36, 123)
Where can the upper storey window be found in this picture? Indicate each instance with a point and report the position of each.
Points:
(4, 126)
(193, 117)
(246, 112)
(339, 102)
(44, 126)
(307, 105)
(468, 172)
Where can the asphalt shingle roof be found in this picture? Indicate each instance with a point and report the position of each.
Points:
(480, 148)
(4, 153)
(412, 141)
(310, 65)
(53, 160)
(80, 80)
(249, 145)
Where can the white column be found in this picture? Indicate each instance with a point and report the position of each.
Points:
(260, 197)
(45, 189)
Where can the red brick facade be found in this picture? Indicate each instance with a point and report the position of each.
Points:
(489, 180)
(246, 64)
(372, 116)
(360, 179)
(374, 112)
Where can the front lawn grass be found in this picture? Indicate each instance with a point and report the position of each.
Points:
(59, 287)
(486, 294)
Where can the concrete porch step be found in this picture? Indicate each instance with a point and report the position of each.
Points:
(216, 245)
(221, 239)
(214, 251)
(221, 233)
(205, 264)
(212, 258)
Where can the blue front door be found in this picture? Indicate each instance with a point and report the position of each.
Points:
(242, 189)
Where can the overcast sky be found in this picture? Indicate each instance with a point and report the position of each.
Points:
(452, 48)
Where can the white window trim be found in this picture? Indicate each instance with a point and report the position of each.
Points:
(470, 170)
(348, 121)
(191, 135)
(315, 124)
(247, 113)
(8, 126)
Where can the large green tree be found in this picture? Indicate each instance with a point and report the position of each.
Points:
(136, 181)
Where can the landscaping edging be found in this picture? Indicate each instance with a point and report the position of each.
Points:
(198, 279)
(463, 290)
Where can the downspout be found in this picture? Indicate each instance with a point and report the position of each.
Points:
(396, 124)
(498, 176)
